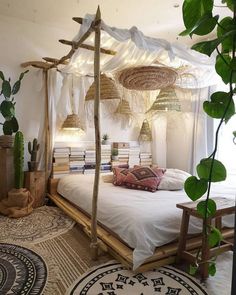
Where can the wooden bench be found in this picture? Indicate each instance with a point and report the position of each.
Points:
(224, 207)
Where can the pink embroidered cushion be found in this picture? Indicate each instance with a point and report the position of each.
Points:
(144, 178)
(119, 175)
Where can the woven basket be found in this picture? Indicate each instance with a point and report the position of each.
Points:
(123, 108)
(145, 132)
(6, 141)
(147, 78)
(166, 101)
(107, 87)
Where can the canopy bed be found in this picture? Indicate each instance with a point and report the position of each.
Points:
(129, 49)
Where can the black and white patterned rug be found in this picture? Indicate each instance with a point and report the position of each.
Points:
(114, 279)
(22, 270)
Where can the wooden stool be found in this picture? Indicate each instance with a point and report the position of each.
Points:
(224, 207)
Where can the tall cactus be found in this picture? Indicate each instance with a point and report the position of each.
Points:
(19, 159)
(33, 150)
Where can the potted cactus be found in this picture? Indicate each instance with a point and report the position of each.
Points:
(33, 150)
(7, 109)
(114, 154)
(19, 200)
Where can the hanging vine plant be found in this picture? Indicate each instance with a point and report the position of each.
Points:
(199, 20)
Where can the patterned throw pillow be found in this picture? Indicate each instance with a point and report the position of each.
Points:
(120, 175)
(144, 178)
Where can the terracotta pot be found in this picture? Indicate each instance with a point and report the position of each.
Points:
(6, 141)
(33, 166)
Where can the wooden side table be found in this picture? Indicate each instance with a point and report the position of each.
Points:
(6, 171)
(35, 183)
(224, 207)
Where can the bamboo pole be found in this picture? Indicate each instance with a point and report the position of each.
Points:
(94, 239)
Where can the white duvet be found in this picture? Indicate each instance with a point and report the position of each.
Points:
(144, 220)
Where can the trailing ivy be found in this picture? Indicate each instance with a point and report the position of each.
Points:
(199, 19)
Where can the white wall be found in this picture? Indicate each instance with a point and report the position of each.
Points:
(25, 40)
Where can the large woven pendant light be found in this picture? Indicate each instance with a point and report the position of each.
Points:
(145, 132)
(147, 78)
(166, 101)
(71, 123)
(107, 87)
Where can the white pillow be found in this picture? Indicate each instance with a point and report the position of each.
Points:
(173, 179)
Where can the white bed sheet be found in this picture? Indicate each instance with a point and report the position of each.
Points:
(144, 220)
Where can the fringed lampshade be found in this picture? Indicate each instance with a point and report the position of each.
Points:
(145, 132)
(123, 108)
(107, 87)
(166, 101)
(71, 122)
(147, 78)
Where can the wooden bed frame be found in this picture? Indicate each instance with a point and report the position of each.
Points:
(109, 243)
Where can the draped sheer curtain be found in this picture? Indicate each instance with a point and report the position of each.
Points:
(181, 139)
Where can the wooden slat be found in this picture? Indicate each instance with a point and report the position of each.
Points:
(87, 46)
(37, 64)
(54, 60)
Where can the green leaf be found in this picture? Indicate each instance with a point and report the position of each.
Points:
(207, 47)
(210, 206)
(234, 133)
(2, 76)
(16, 87)
(212, 269)
(224, 66)
(6, 89)
(229, 3)
(218, 170)
(7, 128)
(226, 25)
(218, 104)
(215, 237)
(193, 10)
(203, 26)
(22, 75)
(14, 124)
(195, 188)
(7, 109)
(192, 269)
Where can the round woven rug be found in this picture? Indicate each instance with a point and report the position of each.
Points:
(42, 224)
(22, 271)
(114, 279)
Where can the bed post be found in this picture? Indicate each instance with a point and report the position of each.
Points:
(97, 29)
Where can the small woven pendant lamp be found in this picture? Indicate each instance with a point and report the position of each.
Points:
(71, 122)
(145, 132)
(166, 101)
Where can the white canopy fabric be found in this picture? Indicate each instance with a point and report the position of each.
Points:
(135, 49)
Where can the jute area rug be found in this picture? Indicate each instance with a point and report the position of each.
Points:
(51, 236)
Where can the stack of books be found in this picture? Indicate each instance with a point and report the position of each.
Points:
(145, 159)
(77, 160)
(123, 154)
(90, 161)
(105, 158)
(134, 156)
(60, 164)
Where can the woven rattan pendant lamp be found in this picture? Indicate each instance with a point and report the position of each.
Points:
(145, 132)
(107, 87)
(166, 101)
(72, 121)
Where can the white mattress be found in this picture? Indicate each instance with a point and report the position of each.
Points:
(144, 220)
